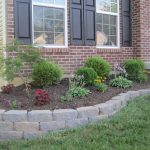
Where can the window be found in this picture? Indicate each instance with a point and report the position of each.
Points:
(107, 23)
(49, 22)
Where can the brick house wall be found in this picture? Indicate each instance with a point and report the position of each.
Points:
(72, 57)
(144, 51)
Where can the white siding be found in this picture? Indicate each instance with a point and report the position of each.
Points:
(2, 33)
(2, 23)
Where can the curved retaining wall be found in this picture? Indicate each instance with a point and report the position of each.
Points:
(20, 124)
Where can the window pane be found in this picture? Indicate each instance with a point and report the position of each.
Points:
(39, 38)
(59, 14)
(112, 40)
(60, 2)
(102, 38)
(48, 12)
(38, 12)
(49, 25)
(106, 29)
(99, 4)
(105, 19)
(99, 27)
(114, 7)
(38, 25)
(114, 1)
(44, 1)
(59, 38)
(59, 26)
(103, 5)
(49, 38)
(112, 30)
(56, 2)
(106, 5)
(99, 18)
(113, 20)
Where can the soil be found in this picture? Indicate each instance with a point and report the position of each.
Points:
(56, 91)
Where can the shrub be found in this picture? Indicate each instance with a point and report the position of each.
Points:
(14, 104)
(7, 89)
(28, 55)
(102, 87)
(41, 97)
(79, 92)
(121, 82)
(101, 66)
(135, 69)
(46, 73)
(76, 89)
(143, 77)
(75, 92)
(78, 80)
(89, 75)
(119, 70)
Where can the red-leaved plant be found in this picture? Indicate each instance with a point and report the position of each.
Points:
(41, 97)
(8, 88)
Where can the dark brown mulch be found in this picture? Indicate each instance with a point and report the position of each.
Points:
(59, 90)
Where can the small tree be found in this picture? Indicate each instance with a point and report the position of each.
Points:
(17, 57)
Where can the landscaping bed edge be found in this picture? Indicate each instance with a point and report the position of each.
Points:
(21, 124)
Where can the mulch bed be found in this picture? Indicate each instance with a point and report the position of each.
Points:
(56, 91)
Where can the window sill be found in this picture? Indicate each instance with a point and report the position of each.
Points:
(50, 46)
(106, 47)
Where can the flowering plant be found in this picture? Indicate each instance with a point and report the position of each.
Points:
(41, 97)
(118, 70)
(8, 88)
(100, 80)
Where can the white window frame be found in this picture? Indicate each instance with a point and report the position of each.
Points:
(118, 27)
(65, 29)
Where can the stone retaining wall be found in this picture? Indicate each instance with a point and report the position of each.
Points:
(20, 124)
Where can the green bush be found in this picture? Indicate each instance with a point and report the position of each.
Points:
(46, 73)
(79, 91)
(102, 87)
(75, 91)
(135, 69)
(13, 66)
(89, 75)
(121, 82)
(101, 66)
(143, 77)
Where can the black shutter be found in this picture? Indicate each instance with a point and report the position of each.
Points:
(23, 18)
(126, 16)
(89, 22)
(77, 22)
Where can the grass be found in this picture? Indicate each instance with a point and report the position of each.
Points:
(128, 130)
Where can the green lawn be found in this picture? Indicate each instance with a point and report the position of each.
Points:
(128, 130)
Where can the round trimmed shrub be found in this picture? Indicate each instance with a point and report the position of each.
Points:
(89, 75)
(101, 66)
(46, 73)
(143, 77)
(135, 69)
